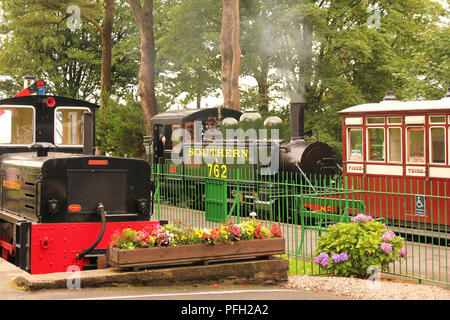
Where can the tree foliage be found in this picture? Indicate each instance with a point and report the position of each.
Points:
(332, 54)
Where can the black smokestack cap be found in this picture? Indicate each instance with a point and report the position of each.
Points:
(297, 119)
(390, 96)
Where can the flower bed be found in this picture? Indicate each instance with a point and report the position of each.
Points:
(352, 249)
(179, 243)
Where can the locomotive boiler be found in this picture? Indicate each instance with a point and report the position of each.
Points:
(59, 203)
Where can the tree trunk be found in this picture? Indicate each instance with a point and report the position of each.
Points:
(199, 100)
(231, 54)
(106, 35)
(146, 87)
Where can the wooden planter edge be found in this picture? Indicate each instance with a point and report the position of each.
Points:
(122, 258)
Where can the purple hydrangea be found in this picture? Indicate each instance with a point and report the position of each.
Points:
(386, 247)
(339, 257)
(343, 257)
(335, 257)
(322, 258)
(369, 218)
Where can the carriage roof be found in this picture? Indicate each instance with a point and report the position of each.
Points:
(400, 106)
(190, 115)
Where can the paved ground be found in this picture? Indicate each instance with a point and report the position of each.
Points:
(9, 291)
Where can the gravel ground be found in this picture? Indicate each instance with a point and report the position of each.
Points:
(367, 290)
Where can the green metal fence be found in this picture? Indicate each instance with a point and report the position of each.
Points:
(305, 206)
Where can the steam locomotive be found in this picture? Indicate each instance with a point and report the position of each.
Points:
(191, 145)
(59, 203)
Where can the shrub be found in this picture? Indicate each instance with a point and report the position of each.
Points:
(348, 249)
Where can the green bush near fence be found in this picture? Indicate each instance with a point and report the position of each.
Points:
(351, 249)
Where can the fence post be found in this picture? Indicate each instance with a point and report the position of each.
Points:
(238, 213)
(158, 189)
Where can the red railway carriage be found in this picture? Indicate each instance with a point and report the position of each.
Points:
(398, 154)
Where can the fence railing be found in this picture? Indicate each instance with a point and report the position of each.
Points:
(305, 206)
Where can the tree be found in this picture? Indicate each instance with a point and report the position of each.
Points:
(188, 57)
(231, 53)
(68, 61)
(331, 56)
(143, 14)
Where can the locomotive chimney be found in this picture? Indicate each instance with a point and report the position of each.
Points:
(28, 81)
(390, 96)
(297, 119)
(447, 95)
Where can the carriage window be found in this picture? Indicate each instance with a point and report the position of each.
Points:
(437, 145)
(375, 138)
(416, 145)
(437, 119)
(16, 125)
(378, 120)
(355, 144)
(395, 120)
(395, 144)
(69, 126)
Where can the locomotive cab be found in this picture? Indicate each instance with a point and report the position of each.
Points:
(194, 123)
(59, 203)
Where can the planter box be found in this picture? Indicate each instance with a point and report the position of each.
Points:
(141, 257)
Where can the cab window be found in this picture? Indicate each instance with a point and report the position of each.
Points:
(69, 126)
(16, 125)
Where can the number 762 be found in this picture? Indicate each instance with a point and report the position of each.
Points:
(217, 170)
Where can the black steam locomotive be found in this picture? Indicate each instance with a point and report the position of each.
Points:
(60, 204)
(191, 145)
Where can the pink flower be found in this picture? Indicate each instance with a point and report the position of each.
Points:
(386, 247)
(403, 252)
(392, 234)
(386, 237)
